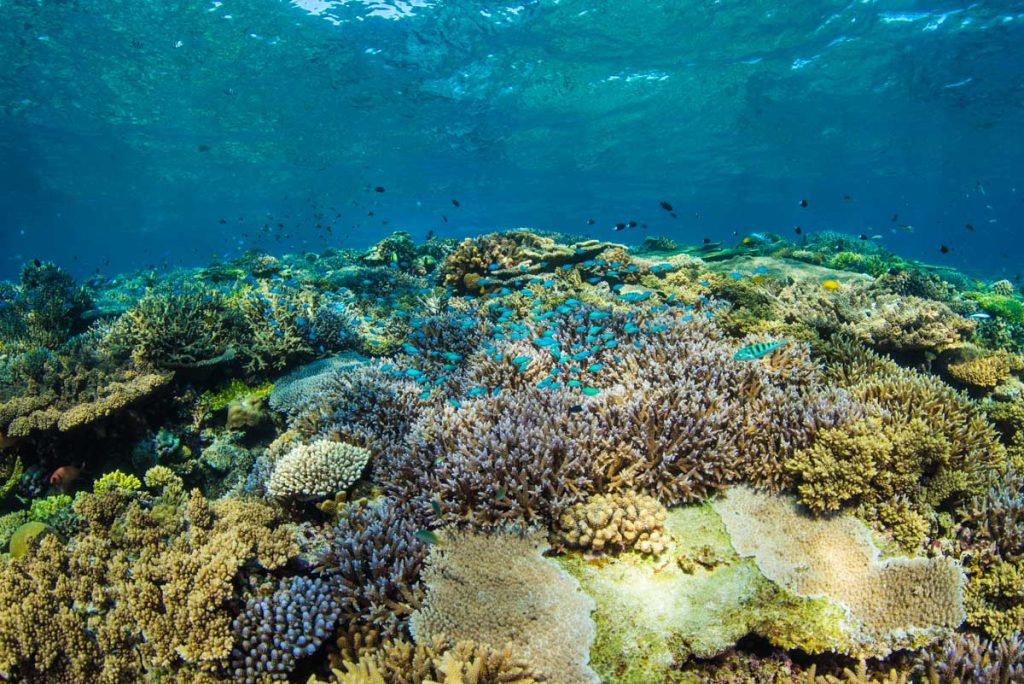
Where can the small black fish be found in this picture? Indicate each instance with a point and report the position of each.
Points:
(576, 408)
(673, 214)
(847, 197)
(223, 221)
(590, 222)
(455, 203)
(666, 206)
(803, 203)
(863, 236)
(895, 218)
(445, 219)
(798, 230)
(369, 213)
(203, 148)
(379, 188)
(620, 226)
(707, 241)
(944, 249)
(969, 227)
(632, 224)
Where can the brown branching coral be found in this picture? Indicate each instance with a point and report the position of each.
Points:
(143, 589)
(463, 662)
(985, 370)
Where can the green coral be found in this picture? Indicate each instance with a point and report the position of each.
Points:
(872, 264)
(234, 389)
(10, 475)
(1004, 306)
(116, 480)
(9, 523)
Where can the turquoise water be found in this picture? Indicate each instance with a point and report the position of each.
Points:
(137, 133)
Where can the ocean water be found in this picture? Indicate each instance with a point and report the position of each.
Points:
(130, 130)
(563, 342)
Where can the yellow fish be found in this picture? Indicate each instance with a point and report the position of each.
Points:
(830, 285)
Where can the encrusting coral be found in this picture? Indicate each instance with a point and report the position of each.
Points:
(515, 597)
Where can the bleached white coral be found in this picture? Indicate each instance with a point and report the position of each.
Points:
(316, 470)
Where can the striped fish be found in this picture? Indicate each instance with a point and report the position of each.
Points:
(757, 350)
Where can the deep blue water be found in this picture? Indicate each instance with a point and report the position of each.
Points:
(161, 131)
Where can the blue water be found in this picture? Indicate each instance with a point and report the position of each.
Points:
(153, 132)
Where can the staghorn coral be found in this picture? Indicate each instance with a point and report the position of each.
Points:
(292, 391)
(889, 601)
(613, 523)
(969, 659)
(272, 633)
(317, 470)
(49, 305)
(463, 662)
(187, 328)
(517, 597)
(374, 556)
(116, 480)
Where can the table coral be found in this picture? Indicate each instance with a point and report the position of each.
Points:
(317, 470)
(517, 597)
(889, 600)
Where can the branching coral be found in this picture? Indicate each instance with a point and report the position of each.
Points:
(464, 662)
(967, 658)
(272, 633)
(140, 590)
(374, 556)
(179, 329)
(985, 370)
(317, 470)
(516, 597)
(513, 255)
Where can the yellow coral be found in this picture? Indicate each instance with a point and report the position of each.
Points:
(116, 480)
(985, 371)
(614, 522)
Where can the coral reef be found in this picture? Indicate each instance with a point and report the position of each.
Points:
(518, 597)
(966, 658)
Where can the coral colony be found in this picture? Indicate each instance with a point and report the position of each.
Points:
(522, 457)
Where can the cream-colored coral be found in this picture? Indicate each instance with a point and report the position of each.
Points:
(837, 558)
(614, 522)
(317, 470)
(1003, 287)
(498, 589)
